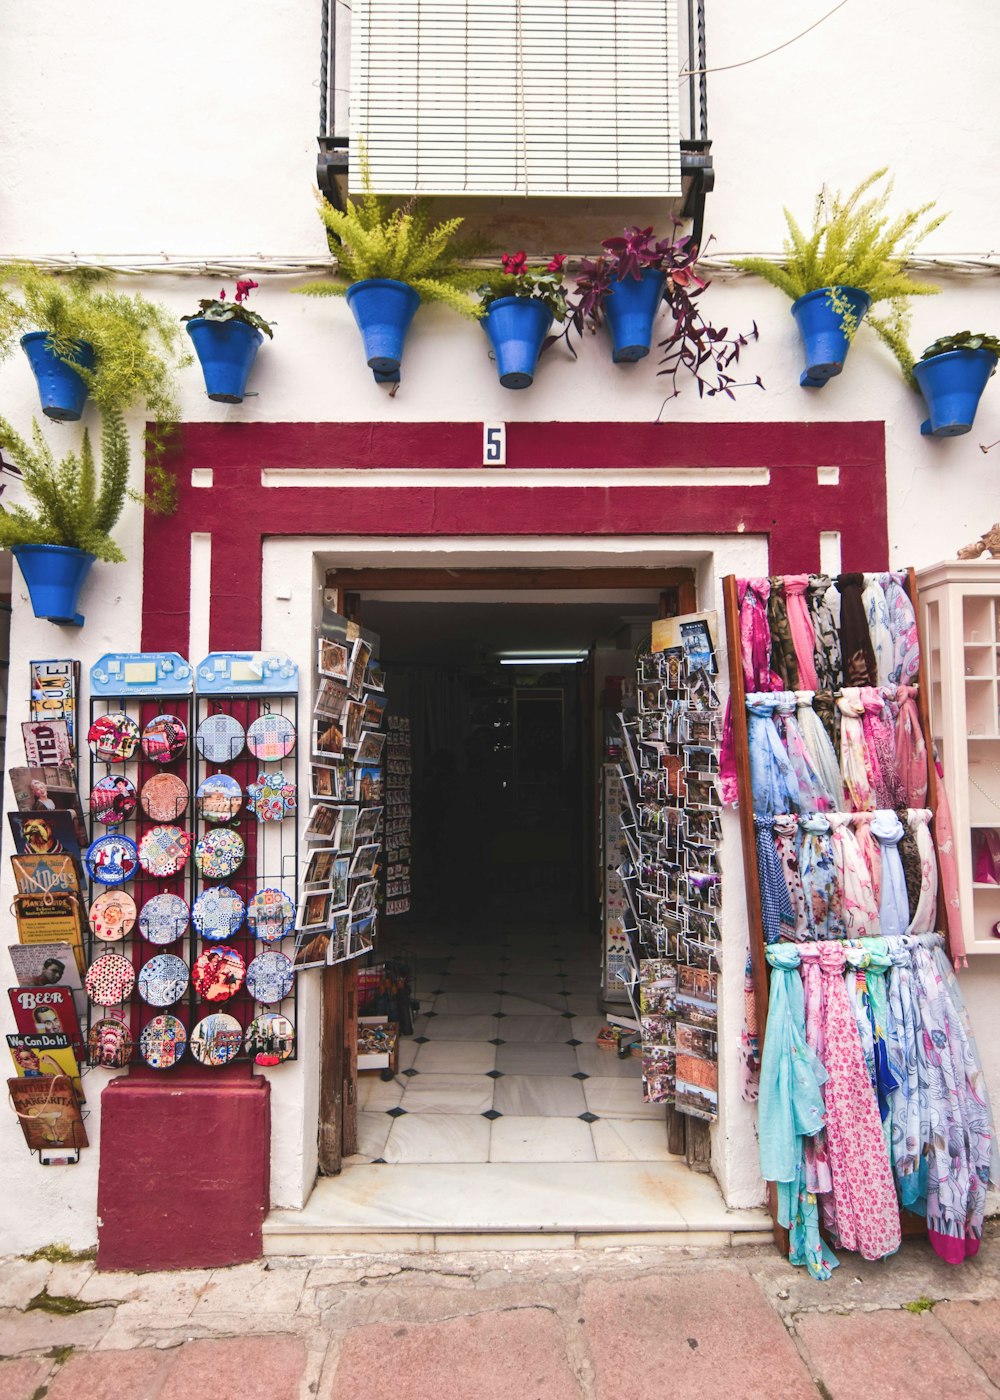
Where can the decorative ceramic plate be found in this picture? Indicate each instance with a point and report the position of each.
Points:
(164, 797)
(218, 913)
(164, 850)
(219, 854)
(111, 860)
(109, 1044)
(112, 800)
(112, 915)
(163, 980)
(164, 919)
(162, 1042)
(271, 797)
(109, 980)
(269, 977)
(216, 1039)
(218, 973)
(270, 1038)
(113, 738)
(220, 738)
(164, 738)
(219, 798)
(271, 737)
(270, 915)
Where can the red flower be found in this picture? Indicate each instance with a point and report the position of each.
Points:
(556, 265)
(244, 287)
(514, 264)
(222, 294)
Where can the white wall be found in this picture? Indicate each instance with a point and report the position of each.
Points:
(191, 133)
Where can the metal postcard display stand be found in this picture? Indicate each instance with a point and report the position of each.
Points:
(243, 686)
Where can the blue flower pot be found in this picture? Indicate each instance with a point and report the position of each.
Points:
(822, 330)
(383, 310)
(516, 327)
(227, 350)
(62, 391)
(631, 308)
(952, 385)
(54, 574)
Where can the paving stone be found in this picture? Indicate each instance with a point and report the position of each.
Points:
(485, 1356)
(123, 1375)
(175, 1292)
(711, 1333)
(69, 1280)
(253, 1289)
(897, 1355)
(22, 1332)
(20, 1280)
(976, 1327)
(238, 1368)
(19, 1380)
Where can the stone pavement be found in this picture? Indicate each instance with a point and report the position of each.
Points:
(615, 1324)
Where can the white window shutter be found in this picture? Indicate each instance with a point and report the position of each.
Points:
(529, 97)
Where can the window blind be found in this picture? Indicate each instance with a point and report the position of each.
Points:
(529, 97)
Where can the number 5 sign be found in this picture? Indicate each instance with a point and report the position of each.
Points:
(494, 444)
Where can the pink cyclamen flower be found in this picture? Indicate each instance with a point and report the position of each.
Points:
(556, 265)
(514, 264)
(222, 294)
(244, 287)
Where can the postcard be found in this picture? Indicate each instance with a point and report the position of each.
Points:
(333, 659)
(346, 829)
(369, 784)
(359, 663)
(695, 634)
(312, 949)
(363, 899)
(327, 738)
(319, 870)
(338, 885)
(375, 678)
(368, 821)
(325, 782)
(314, 911)
(364, 861)
(322, 823)
(370, 747)
(331, 697)
(374, 710)
(340, 936)
(353, 719)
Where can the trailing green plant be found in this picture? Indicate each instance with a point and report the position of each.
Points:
(963, 340)
(76, 505)
(855, 242)
(374, 238)
(514, 278)
(219, 309)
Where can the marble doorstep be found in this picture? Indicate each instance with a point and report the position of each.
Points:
(409, 1202)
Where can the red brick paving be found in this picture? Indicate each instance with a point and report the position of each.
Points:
(894, 1355)
(111, 1375)
(698, 1336)
(20, 1379)
(976, 1327)
(238, 1368)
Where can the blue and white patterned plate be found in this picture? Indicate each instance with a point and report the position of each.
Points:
(219, 854)
(269, 977)
(220, 738)
(218, 913)
(163, 980)
(270, 915)
(271, 737)
(163, 919)
(162, 1042)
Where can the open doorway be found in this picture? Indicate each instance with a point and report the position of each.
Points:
(511, 694)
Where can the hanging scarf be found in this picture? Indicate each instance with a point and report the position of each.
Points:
(784, 832)
(826, 631)
(867, 1214)
(818, 1178)
(777, 915)
(826, 708)
(813, 796)
(910, 859)
(790, 1112)
(877, 613)
(819, 885)
(821, 752)
(857, 655)
(948, 867)
(880, 747)
(873, 1002)
(749, 1040)
(783, 659)
(871, 851)
(903, 629)
(772, 778)
(911, 751)
(858, 905)
(924, 917)
(802, 629)
(855, 764)
(755, 659)
(893, 909)
(908, 1161)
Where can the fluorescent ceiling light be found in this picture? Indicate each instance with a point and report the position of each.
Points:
(542, 660)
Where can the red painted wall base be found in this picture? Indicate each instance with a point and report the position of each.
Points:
(185, 1174)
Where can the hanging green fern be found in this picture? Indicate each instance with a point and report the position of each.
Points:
(371, 238)
(75, 505)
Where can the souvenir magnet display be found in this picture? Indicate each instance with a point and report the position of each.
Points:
(109, 980)
(164, 850)
(219, 854)
(269, 977)
(271, 737)
(270, 1038)
(270, 915)
(113, 738)
(218, 913)
(112, 915)
(219, 798)
(164, 797)
(216, 1039)
(163, 980)
(109, 1045)
(164, 738)
(220, 738)
(271, 797)
(162, 1042)
(112, 800)
(111, 860)
(218, 973)
(163, 919)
